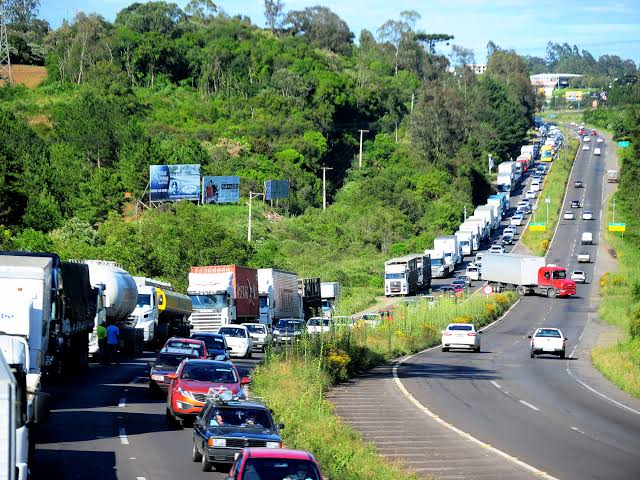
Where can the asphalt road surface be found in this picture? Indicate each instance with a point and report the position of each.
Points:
(535, 409)
(105, 426)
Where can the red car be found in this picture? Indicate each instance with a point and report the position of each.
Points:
(593, 133)
(190, 384)
(181, 345)
(274, 464)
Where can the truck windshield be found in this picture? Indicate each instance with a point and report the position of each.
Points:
(144, 300)
(559, 274)
(218, 300)
(264, 301)
(394, 276)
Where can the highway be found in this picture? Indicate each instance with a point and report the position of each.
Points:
(536, 409)
(105, 426)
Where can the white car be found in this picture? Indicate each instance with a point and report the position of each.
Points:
(579, 276)
(584, 257)
(473, 271)
(260, 334)
(586, 138)
(512, 229)
(523, 204)
(535, 185)
(461, 335)
(531, 195)
(517, 219)
(548, 341)
(596, 151)
(587, 215)
(238, 338)
(496, 249)
(478, 260)
(317, 325)
(585, 147)
(568, 215)
(600, 140)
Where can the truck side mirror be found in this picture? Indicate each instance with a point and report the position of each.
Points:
(42, 407)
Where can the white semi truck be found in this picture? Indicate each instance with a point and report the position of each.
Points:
(475, 231)
(160, 311)
(439, 269)
(451, 248)
(330, 293)
(488, 212)
(278, 292)
(400, 276)
(506, 177)
(465, 239)
(485, 230)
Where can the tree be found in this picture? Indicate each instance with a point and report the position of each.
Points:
(274, 12)
(322, 28)
(162, 18)
(398, 32)
(201, 11)
(21, 13)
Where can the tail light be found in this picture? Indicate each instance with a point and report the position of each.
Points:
(564, 342)
(446, 334)
(471, 334)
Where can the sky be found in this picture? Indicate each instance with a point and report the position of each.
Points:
(602, 27)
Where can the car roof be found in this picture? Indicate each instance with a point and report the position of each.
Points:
(241, 404)
(257, 452)
(232, 325)
(578, 271)
(253, 323)
(207, 334)
(184, 339)
(203, 361)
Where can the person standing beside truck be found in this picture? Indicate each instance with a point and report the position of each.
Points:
(113, 339)
(101, 333)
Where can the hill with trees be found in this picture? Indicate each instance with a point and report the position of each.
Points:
(163, 85)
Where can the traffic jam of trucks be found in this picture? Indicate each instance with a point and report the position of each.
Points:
(52, 310)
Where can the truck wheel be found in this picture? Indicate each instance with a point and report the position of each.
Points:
(522, 291)
(552, 293)
(196, 456)
(497, 288)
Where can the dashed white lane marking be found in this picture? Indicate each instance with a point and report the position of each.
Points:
(578, 430)
(122, 402)
(527, 404)
(495, 384)
(141, 478)
(122, 433)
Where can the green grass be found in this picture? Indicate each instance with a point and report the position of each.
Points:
(620, 363)
(554, 187)
(293, 381)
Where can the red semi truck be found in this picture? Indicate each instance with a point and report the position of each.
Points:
(526, 274)
(223, 294)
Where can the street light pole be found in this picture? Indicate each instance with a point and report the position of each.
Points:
(465, 213)
(613, 220)
(251, 196)
(360, 156)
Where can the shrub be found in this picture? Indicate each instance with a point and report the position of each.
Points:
(501, 299)
(338, 364)
(490, 310)
(635, 290)
(634, 323)
(617, 280)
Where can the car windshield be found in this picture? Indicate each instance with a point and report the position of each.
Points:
(200, 372)
(280, 469)
(548, 332)
(316, 322)
(460, 327)
(233, 332)
(169, 362)
(578, 272)
(256, 329)
(212, 343)
(144, 300)
(185, 345)
(264, 301)
(214, 301)
(240, 417)
(289, 324)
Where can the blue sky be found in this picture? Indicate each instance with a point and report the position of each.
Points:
(600, 26)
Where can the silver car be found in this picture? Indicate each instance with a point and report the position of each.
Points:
(260, 334)
(579, 276)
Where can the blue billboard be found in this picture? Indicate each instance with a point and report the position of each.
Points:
(276, 189)
(220, 189)
(168, 183)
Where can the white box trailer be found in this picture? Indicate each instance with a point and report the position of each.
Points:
(475, 231)
(449, 245)
(465, 239)
(481, 221)
(511, 269)
(330, 293)
(278, 293)
(8, 424)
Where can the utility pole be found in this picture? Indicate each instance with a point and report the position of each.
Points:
(465, 213)
(324, 183)
(613, 220)
(360, 156)
(5, 61)
(251, 197)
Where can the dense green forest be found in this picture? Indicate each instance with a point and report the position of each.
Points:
(162, 85)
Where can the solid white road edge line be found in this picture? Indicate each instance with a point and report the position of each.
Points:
(495, 384)
(454, 429)
(527, 404)
(122, 433)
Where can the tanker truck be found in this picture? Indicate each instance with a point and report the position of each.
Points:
(117, 295)
(161, 312)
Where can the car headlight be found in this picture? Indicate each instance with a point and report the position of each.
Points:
(217, 442)
(274, 445)
(185, 393)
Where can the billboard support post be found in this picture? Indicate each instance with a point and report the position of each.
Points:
(251, 196)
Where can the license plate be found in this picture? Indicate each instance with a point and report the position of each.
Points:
(157, 378)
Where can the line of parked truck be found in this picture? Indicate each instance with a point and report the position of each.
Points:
(50, 310)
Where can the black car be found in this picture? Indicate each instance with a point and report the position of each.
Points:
(217, 348)
(578, 184)
(287, 330)
(507, 239)
(224, 428)
(165, 364)
(575, 203)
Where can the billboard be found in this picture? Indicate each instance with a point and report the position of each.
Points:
(276, 189)
(220, 189)
(168, 183)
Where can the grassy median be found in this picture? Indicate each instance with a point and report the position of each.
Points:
(293, 381)
(555, 184)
